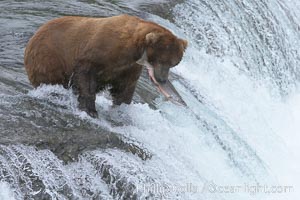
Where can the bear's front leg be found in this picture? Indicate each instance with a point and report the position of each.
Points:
(124, 86)
(84, 81)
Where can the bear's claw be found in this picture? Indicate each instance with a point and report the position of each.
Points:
(93, 113)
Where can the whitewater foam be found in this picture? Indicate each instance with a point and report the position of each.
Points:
(6, 193)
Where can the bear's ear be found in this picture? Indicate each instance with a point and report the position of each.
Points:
(152, 38)
(184, 44)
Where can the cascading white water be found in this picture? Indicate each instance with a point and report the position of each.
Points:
(237, 130)
(244, 54)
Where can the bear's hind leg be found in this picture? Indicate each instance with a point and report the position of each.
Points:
(84, 81)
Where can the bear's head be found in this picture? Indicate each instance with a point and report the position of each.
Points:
(163, 51)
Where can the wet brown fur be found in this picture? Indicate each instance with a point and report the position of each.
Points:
(98, 52)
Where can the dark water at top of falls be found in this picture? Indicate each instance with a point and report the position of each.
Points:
(240, 53)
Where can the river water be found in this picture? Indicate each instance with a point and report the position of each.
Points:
(236, 139)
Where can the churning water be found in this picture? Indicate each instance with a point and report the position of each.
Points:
(236, 139)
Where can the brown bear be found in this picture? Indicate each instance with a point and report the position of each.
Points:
(92, 53)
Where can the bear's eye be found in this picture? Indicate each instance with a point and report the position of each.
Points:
(151, 62)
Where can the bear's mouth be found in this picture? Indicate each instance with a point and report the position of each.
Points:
(157, 84)
(167, 89)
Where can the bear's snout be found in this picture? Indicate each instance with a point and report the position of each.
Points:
(161, 74)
